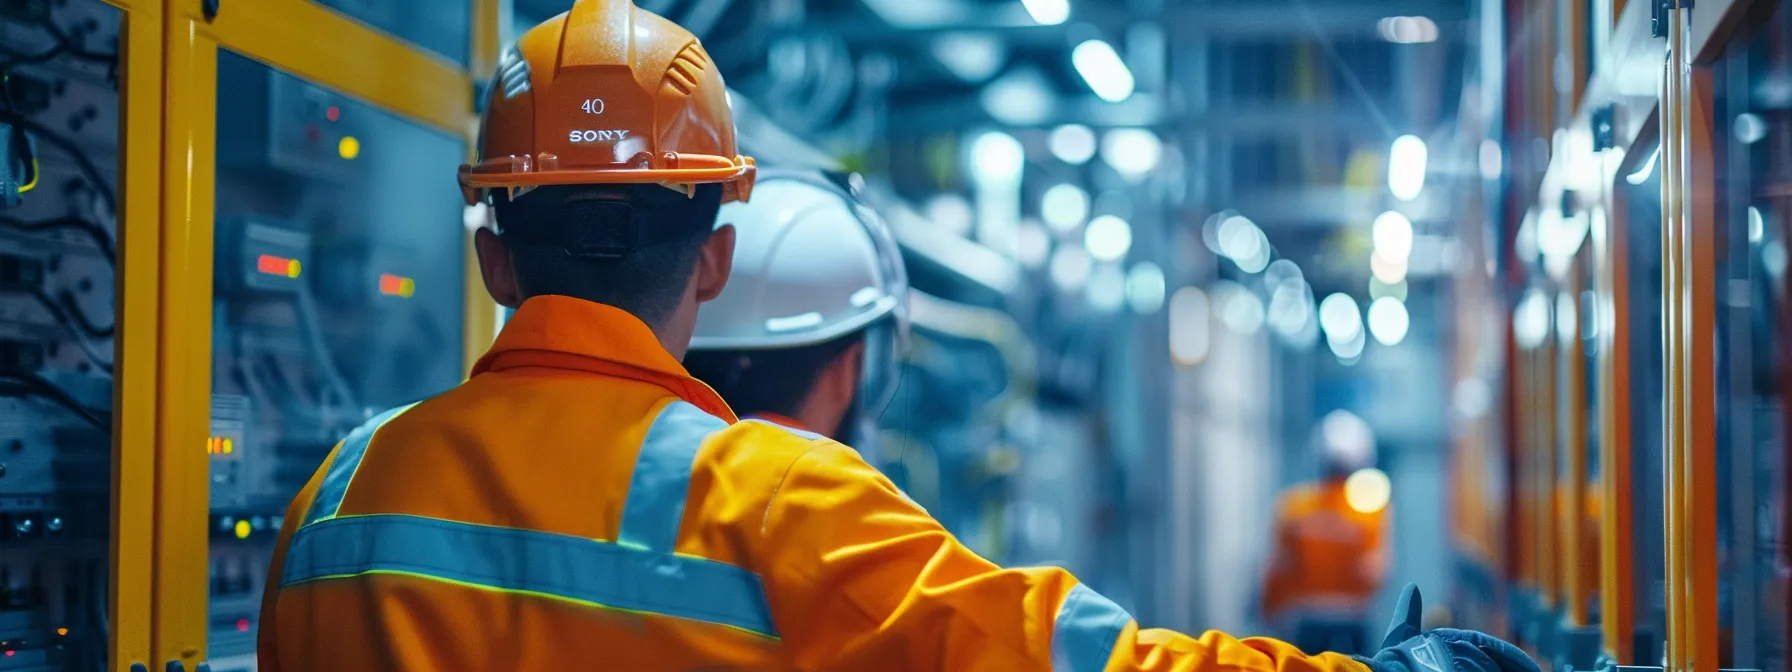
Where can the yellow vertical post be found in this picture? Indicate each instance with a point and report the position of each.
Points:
(1548, 536)
(1698, 496)
(134, 387)
(1610, 249)
(481, 314)
(185, 340)
(1671, 359)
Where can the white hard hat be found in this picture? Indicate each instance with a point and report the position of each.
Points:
(1344, 442)
(811, 264)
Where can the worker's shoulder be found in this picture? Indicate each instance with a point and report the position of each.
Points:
(760, 442)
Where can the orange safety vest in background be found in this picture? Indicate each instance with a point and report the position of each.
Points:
(1329, 558)
(582, 503)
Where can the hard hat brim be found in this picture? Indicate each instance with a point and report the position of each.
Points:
(512, 172)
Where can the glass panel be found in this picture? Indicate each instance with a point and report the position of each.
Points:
(1754, 362)
(441, 26)
(1642, 196)
(338, 294)
(59, 143)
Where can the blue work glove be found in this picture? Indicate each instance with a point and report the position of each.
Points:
(1407, 649)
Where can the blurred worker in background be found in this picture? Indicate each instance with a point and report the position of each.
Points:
(582, 502)
(1330, 554)
(807, 332)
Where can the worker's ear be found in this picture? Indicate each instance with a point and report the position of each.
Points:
(496, 266)
(841, 379)
(715, 263)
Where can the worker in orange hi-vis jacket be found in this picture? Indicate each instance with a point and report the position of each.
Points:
(581, 502)
(1331, 552)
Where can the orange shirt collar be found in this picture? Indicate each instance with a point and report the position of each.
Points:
(566, 333)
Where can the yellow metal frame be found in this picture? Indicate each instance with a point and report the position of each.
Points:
(1690, 295)
(480, 314)
(134, 393)
(356, 60)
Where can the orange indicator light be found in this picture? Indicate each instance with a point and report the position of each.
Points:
(397, 285)
(281, 266)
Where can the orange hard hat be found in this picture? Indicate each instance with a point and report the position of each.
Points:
(607, 93)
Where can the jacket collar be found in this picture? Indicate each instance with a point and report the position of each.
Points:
(561, 332)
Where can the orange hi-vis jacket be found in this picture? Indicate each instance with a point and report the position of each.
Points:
(1329, 558)
(582, 503)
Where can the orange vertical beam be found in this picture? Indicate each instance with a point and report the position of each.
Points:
(134, 387)
(184, 389)
(1617, 578)
(479, 313)
(1573, 488)
(1548, 536)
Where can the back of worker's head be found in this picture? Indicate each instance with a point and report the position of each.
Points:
(1343, 444)
(809, 325)
(635, 247)
(606, 146)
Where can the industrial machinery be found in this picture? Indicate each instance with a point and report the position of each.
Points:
(59, 107)
(337, 289)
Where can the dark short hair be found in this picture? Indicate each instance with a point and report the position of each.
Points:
(755, 382)
(633, 247)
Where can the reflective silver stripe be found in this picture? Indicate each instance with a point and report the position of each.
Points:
(342, 469)
(528, 562)
(812, 436)
(1084, 634)
(662, 479)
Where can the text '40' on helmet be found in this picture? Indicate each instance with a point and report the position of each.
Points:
(607, 93)
(812, 263)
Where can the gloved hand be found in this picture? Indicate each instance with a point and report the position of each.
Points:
(1407, 649)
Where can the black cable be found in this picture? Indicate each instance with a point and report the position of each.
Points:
(78, 51)
(37, 386)
(80, 318)
(68, 146)
(101, 237)
(75, 321)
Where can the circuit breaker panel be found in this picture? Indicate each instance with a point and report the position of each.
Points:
(337, 294)
(59, 144)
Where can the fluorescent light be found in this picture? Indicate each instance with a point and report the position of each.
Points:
(1567, 317)
(951, 212)
(1132, 152)
(1290, 308)
(1406, 167)
(1492, 160)
(997, 158)
(1070, 268)
(1107, 288)
(1392, 236)
(1190, 325)
(1408, 29)
(1048, 12)
(1530, 321)
(1647, 169)
(1073, 144)
(1240, 309)
(1019, 98)
(1103, 70)
(1145, 288)
(972, 57)
(1033, 246)
(1368, 490)
(1340, 318)
(1389, 272)
(1108, 238)
(1064, 207)
(1388, 320)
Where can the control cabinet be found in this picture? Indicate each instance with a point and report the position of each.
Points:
(59, 148)
(338, 286)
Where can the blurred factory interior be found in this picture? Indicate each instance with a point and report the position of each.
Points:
(1536, 245)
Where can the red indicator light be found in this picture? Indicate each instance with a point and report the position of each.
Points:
(272, 265)
(9, 654)
(312, 134)
(397, 285)
(242, 625)
(333, 114)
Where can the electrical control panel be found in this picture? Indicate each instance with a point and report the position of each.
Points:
(337, 294)
(59, 113)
